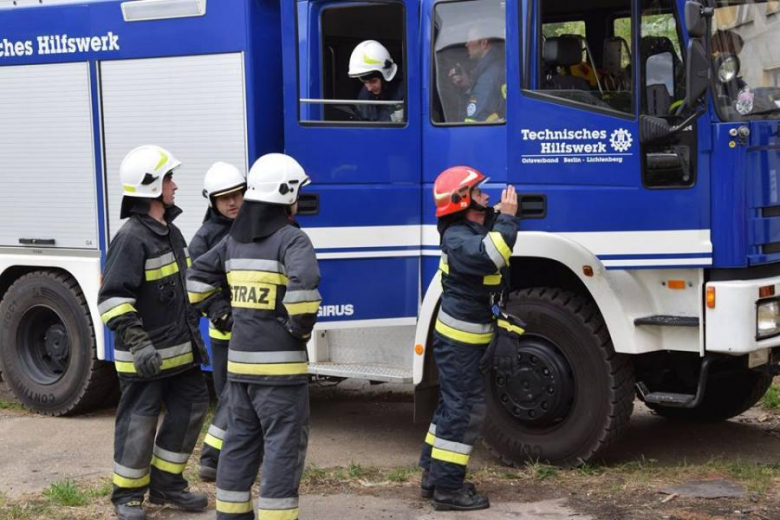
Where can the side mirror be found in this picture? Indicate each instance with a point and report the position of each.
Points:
(697, 74)
(696, 19)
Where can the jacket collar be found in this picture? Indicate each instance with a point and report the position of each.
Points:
(161, 229)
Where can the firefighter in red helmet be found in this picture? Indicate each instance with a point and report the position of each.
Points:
(476, 244)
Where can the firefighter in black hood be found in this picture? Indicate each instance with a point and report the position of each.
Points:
(224, 187)
(157, 345)
(271, 269)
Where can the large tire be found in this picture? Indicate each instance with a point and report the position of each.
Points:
(563, 395)
(726, 395)
(47, 346)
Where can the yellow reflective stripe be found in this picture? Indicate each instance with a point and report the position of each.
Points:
(162, 272)
(450, 456)
(234, 507)
(503, 90)
(256, 276)
(302, 308)
(492, 279)
(469, 120)
(504, 324)
(168, 467)
(492, 117)
(199, 297)
(189, 262)
(268, 369)
(371, 61)
(445, 268)
(218, 334)
(213, 441)
(117, 311)
(125, 482)
(127, 367)
(278, 514)
(498, 241)
(430, 438)
(128, 188)
(676, 104)
(464, 337)
(163, 159)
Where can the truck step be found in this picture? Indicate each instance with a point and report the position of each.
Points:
(666, 398)
(369, 371)
(668, 321)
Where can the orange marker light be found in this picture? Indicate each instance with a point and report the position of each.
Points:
(676, 284)
(766, 291)
(418, 349)
(711, 297)
(587, 270)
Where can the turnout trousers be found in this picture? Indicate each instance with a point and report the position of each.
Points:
(146, 457)
(458, 418)
(212, 443)
(268, 423)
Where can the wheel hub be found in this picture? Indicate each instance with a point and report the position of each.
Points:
(43, 345)
(57, 345)
(534, 382)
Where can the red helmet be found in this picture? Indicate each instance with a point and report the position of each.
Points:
(452, 189)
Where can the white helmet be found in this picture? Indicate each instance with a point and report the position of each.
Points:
(276, 178)
(371, 56)
(143, 169)
(222, 178)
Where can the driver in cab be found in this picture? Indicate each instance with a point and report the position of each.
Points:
(372, 64)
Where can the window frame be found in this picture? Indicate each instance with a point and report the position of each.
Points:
(432, 73)
(347, 4)
(536, 22)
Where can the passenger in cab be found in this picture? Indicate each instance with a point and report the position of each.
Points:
(484, 90)
(372, 64)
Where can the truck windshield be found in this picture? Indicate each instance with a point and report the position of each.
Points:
(746, 54)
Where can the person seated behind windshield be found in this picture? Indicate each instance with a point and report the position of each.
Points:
(372, 64)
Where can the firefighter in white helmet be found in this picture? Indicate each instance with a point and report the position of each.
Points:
(223, 186)
(271, 269)
(372, 64)
(157, 346)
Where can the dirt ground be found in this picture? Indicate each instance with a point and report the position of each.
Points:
(361, 435)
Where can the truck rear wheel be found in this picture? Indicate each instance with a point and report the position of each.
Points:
(47, 346)
(726, 395)
(562, 395)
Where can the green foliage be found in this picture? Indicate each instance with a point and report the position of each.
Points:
(771, 399)
(66, 493)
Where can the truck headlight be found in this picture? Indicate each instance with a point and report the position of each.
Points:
(767, 319)
(728, 67)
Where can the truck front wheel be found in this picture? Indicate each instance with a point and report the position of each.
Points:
(562, 394)
(47, 346)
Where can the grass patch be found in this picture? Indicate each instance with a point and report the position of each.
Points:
(771, 399)
(402, 474)
(11, 405)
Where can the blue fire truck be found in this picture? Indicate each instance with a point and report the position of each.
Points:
(642, 135)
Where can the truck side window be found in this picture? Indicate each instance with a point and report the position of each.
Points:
(671, 163)
(330, 91)
(469, 63)
(585, 62)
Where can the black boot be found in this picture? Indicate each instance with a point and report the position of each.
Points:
(463, 499)
(130, 511)
(208, 474)
(426, 487)
(182, 499)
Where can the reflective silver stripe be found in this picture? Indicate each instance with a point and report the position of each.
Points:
(199, 287)
(156, 263)
(123, 355)
(302, 296)
(291, 356)
(219, 433)
(465, 326)
(250, 264)
(277, 503)
(113, 302)
(456, 447)
(493, 252)
(165, 353)
(432, 429)
(170, 456)
(444, 258)
(233, 496)
(186, 252)
(124, 471)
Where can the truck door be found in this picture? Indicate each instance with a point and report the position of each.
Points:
(362, 152)
(464, 107)
(586, 78)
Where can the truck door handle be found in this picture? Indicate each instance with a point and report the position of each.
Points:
(532, 205)
(37, 241)
(309, 204)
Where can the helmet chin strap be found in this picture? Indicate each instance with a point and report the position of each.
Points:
(477, 207)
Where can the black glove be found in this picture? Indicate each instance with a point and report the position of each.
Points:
(224, 323)
(146, 359)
